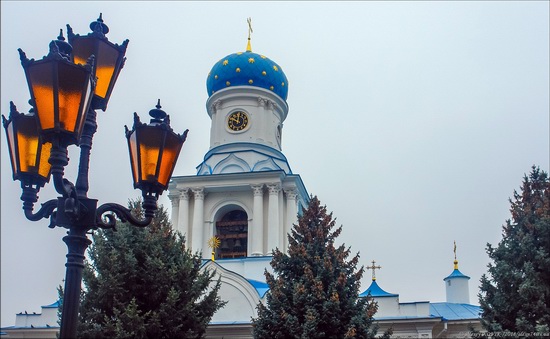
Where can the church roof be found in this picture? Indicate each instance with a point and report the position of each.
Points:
(376, 291)
(247, 69)
(456, 274)
(260, 286)
(452, 311)
(54, 305)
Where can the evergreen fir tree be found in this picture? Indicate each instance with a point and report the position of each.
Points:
(515, 293)
(144, 283)
(315, 290)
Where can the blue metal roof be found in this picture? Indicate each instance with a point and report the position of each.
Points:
(452, 311)
(376, 291)
(260, 286)
(456, 274)
(54, 305)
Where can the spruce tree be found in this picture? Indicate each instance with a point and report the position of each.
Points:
(144, 283)
(314, 292)
(515, 292)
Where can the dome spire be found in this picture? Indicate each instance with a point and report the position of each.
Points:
(248, 46)
(456, 261)
(374, 267)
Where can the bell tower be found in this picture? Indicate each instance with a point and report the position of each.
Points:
(244, 192)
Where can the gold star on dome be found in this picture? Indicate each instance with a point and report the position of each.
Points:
(271, 87)
(251, 60)
(263, 57)
(238, 70)
(275, 68)
(225, 62)
(227, 83)
(264, 73)
(282, 84)
(239, 53)
(251, 81)
(216, 77)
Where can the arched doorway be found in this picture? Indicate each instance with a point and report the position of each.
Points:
(232, 230)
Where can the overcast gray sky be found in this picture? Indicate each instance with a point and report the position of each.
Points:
(412, 121)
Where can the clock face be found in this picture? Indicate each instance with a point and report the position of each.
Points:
(237, 121)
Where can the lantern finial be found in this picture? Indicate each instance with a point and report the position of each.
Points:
(61, 47)
(99, 27)
(157, 114)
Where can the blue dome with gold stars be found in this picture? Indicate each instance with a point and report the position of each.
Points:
(247, 69)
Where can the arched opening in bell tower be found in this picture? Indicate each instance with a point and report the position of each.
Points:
(232, 230)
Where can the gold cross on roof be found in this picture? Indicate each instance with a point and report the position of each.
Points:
(456, 261)
(248, 47)
(373, 268)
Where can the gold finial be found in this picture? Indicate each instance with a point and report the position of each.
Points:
(373, 267)
(213, 243)
(456, 261)
(248, 46)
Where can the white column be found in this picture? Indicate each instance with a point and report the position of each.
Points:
(183, 216)
(198, 221)
(256, 232)
(291, 213)
(273, 218)
(175, 200)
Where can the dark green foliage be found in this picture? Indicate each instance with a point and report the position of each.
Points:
(515, 293)
(314, 292)
(144, 283)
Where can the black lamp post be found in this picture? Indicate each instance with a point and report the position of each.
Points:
(66, 87)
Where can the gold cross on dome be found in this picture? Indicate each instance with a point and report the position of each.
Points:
(249, 20)
(248, 47)
(455, 248)
(373, 268)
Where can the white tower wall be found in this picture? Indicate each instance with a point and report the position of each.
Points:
(457, 290)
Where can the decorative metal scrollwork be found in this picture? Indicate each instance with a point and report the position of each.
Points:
(123, 213)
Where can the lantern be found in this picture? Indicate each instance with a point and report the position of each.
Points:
(60, 92)
(28, 155)
(108, 59)
(154, 150)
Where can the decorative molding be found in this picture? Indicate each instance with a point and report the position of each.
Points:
(258, 189)
(184, 194)
(216, 106)
(198, 192)
(174, 199)
(274, 188)
(291, 193)
(265, 102)
(262, 101)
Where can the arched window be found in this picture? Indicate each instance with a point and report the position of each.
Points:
(232, 230)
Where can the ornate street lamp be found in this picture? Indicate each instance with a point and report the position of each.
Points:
(61, 88)
(154, 150)
(28, 155)
(60, 91)
(109, 58)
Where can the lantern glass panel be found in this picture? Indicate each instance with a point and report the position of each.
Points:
(106, 57)
(44, 166)
(105, 67)
(27, 143)
(150, 140)
(134, 157)
(83, 48)
(13, 147)
(71, 91)
(170, 154)
(41, 81)
(28, 155)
